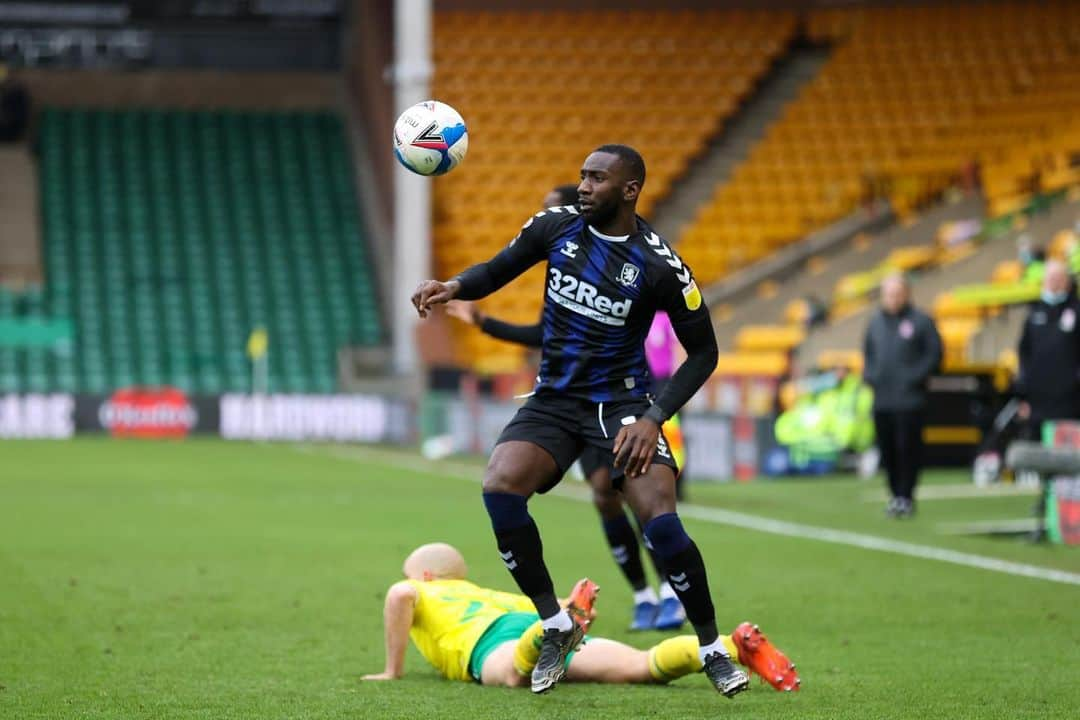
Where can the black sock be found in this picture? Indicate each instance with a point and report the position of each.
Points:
(685, 570)
(686, 573)
(521, 549)
(522, 552)
(657, 563)
(624, 548)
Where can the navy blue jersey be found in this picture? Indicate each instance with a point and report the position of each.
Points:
(599, 300)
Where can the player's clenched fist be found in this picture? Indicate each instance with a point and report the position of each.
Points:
(433, 292)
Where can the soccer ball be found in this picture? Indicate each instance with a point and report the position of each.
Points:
(430, 138)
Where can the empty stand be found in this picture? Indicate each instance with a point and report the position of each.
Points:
(169, 236)
(911, 98)
(540, 90)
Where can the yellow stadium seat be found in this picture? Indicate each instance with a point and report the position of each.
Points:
(527, 86)
(850, 359)
(947, 308)
(769, 338)
(1007, 272)
(909, 98)
(760, 364)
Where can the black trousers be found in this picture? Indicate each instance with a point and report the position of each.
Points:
(900, 439)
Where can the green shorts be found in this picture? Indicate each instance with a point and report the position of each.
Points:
(507, 627)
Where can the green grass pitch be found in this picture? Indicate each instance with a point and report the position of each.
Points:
(204, 579)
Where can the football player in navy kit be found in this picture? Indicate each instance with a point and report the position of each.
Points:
(652, 611)
(608, 273)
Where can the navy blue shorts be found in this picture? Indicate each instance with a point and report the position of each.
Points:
(568, 428)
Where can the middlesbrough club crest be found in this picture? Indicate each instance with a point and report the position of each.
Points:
(629, 275)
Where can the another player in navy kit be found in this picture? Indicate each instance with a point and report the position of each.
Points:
(608, 274)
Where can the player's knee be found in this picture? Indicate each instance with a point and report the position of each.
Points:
(501, 475)
(512, 470)
(667, 535)
(513, 678)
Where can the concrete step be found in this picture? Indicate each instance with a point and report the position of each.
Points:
(20, 237)
(733, 144)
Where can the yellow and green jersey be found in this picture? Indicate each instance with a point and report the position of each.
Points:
(451, 615)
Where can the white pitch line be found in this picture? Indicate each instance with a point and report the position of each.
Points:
(959, 491)
(724, 517)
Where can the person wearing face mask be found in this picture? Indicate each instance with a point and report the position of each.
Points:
(1049, 353)
(901, 349)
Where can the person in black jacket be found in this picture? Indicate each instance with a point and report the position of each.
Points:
(1049, 353)
(901, 349)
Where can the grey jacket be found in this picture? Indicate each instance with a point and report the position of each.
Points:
(900, 352)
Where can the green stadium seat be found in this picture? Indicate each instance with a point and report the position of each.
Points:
(168, 236)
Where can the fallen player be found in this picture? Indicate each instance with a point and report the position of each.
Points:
(472, 633)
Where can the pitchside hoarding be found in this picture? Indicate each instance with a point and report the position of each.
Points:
(147, 413)
(339, 418)
(37, 416)
(715, 450)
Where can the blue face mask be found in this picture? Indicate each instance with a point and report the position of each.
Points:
(1052, 298)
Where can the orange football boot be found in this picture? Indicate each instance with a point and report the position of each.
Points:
(763, 658)
(582, 598)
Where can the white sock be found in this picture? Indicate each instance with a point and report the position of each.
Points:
(717, 646)
(560, 621)
(666, 591)
(646, 594)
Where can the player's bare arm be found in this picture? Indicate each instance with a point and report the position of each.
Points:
(397, 619)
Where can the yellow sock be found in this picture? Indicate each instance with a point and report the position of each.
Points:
(528, 649)
(674, 658)
(731, 647)
(678, 656)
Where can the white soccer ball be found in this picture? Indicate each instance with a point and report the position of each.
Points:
(430, 138)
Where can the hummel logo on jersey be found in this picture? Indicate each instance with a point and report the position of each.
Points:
(584, 299)
(629, 275)
(508, 559)
(679, 582)
(569, 249)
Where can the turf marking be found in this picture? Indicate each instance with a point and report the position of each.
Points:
(580, 493)
(958, 491)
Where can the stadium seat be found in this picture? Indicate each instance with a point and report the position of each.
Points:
(169, 236)
(752, 364)
(769, 338)
(525, 83)
(911, 98)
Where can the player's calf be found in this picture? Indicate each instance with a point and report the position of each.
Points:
(685, 570)
(521, 551)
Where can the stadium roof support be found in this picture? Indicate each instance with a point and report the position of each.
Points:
(412, 193)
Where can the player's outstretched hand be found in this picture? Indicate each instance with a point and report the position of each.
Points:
(433, 292)
(635, 445)
(380, 676)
